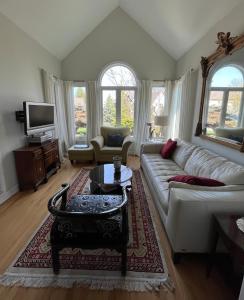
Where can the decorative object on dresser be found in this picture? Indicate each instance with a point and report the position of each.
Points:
(36, 163)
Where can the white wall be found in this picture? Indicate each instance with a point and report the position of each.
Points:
(234, 22)
(21, 61)
(118, 38)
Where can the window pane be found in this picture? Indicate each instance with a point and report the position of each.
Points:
(109, 108)
(227, 77)
(80, 114)
(233, 109)
(158, 106)
(118, 76)
(127, 109)
(214, 110)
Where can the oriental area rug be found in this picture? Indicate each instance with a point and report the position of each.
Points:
(97, 269)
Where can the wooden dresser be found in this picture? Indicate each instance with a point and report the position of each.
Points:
(36, 163)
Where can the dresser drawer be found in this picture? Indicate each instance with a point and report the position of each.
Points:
(38, 153)
(50, 146)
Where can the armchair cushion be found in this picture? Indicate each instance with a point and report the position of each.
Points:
(105, 131)
(115, 140)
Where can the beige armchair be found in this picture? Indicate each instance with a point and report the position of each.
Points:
(104, 153)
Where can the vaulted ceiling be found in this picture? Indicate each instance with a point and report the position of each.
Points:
(60, 25)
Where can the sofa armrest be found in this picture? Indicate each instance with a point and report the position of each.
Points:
(189, 219)
(153, 148)
(128, 140)
(98, 142)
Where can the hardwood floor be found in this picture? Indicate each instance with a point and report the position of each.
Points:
(23, 213)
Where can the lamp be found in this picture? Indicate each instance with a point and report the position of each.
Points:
(161, 121)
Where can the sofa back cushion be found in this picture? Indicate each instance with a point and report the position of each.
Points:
(229, 173)
(105, 131)
(182, 152)
(207, 164)
(202, 163)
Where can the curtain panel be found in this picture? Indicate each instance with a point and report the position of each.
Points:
(94, 110)
(54, 94)
(142, 113)
(181, 108)
(70, 111)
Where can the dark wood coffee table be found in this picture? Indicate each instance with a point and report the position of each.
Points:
(104, 179)
(225, 227)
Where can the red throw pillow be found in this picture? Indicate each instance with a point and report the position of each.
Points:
(195, 180)
(168, 149)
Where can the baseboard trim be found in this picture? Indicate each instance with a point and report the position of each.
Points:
(6, 195)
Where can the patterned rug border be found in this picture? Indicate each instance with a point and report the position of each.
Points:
(67, 278)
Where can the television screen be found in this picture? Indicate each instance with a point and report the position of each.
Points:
(40, 115)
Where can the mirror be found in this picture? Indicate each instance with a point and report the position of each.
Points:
(221, 117)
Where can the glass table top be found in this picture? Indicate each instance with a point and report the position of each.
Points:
(106, 175)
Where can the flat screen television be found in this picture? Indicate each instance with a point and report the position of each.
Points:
(39, 117)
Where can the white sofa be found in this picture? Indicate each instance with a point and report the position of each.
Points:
(186, 210)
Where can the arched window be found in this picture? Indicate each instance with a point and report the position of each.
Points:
(118, 84)
(225, 99)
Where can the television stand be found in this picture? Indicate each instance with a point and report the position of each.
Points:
(36, 163)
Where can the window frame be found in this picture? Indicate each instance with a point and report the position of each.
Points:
(118, 90)
(226, 91)
(77, 84)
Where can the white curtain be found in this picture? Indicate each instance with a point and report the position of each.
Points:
(181, 109)
(142, 113)
(168, 101)
(94, 110)
(70, 115)
(54, 93)
(61, 117)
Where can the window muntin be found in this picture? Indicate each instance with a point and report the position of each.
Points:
(225, 100)
(80, 114)
(118, 75)
(118, 89)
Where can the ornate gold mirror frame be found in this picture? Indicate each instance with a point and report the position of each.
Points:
(226, 46)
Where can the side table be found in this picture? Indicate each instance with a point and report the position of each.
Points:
(226, 229)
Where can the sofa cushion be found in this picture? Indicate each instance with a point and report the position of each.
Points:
(202, 163)
(111, 150)
(230, 173)
(196, 180)
(159, 170)
(105, 131)
(168, 149)
(115, 140)
(182, 152)
(208, 164)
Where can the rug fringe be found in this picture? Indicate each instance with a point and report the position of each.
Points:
(94, 284)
